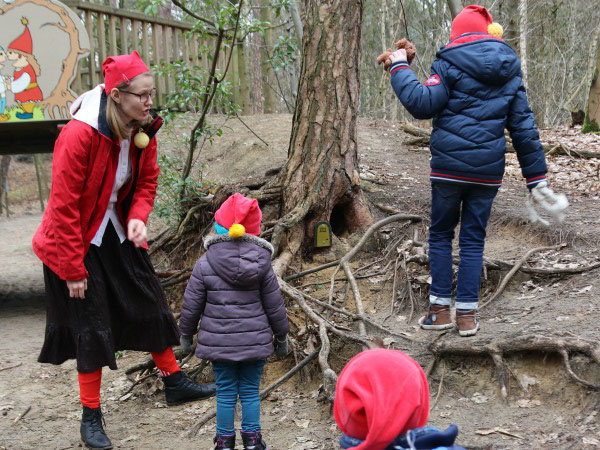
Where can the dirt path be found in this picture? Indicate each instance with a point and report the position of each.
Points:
(545, 408)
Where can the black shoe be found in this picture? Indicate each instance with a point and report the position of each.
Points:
(92, 431)
(253, 441)
(224, 442)
(180, 389)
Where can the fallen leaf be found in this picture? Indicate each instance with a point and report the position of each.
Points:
(479, 398)
(585, 289)
(302, 423)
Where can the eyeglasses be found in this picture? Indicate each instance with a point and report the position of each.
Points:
(144, 98)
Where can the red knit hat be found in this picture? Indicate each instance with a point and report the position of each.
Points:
(380, 395)
(472, 19)
(122, 69)
(238, 209)
(23, 43)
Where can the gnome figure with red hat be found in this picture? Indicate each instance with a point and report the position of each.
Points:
(102, 293)
(474, 92)
(24, 81)
(233, 293)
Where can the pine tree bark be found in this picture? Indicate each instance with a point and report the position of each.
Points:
(592, 113)
(321, 173)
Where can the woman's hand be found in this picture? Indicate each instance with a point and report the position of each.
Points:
(136, 232)
(77, 288)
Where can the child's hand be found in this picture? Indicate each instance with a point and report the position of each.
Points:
(398, 55)
(281, 345)
(186, 344)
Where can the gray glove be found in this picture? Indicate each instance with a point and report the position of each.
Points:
(186, 344)
(281, 345)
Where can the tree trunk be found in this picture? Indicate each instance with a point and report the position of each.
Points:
(523, 30)
(267, 83)
(455, 7)
(592, 113)
(243, 77)
(320, 180)
(295, 13)
(511, 24)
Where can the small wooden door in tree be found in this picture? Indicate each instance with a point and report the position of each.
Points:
(322, 234)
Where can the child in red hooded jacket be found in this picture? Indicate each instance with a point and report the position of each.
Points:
(382, 403)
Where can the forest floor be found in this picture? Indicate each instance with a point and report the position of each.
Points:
(545, 407)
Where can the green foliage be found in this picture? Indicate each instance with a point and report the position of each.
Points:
(169, 204)
(590, 126)
(285, 53)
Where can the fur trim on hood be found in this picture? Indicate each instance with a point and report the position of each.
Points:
(245, 238)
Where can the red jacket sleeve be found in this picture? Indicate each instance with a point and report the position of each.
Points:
(69, 168)
(145, 189)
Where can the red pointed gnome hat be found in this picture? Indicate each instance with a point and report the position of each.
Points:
(472, 19)
(242, 210)
(23, 43)
(122, 69)
(380, 394)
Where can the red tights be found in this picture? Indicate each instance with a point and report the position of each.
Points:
(89, 382)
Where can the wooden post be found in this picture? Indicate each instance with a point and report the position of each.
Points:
(156, 62)
(123, 33)
(92, 58)
(101, 38)
(145, 48)
(176, 34)
(166, 58)
(112, 35)
(135, 37)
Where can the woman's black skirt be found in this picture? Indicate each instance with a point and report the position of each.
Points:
(125, 308)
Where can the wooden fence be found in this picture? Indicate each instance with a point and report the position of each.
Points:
(115, 31)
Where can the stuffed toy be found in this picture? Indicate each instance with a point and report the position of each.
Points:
(410, 48)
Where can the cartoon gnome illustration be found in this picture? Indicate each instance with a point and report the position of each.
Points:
(26, 70)
(3, 116)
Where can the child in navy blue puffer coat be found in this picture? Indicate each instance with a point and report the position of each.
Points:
(474, 92)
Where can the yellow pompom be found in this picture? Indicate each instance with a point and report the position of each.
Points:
(141, 140)
(495, 29)
(237, 230)
(24, 21)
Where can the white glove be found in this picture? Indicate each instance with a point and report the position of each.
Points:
(554, 204)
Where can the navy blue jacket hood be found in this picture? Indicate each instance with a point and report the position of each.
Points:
(494, 63)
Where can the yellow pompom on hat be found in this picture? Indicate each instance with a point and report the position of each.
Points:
(495, 29)
(237, 230)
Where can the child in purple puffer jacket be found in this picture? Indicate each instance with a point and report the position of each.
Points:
(234, 294)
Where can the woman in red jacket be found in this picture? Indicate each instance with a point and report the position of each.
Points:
(102, 293)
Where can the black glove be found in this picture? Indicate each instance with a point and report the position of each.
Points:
(186, 344)
(281, 345)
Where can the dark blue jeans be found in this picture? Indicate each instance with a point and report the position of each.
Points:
(238, 379)
(472, 206)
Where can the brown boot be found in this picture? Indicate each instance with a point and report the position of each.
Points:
(437, 318)
(466, 322)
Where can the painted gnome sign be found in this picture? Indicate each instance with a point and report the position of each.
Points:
(41, 42)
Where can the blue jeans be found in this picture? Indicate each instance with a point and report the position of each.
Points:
(2, 104)
(472, 206)
(238, 379)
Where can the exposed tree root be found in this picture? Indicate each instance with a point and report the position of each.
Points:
(514, 270)
(497, 349)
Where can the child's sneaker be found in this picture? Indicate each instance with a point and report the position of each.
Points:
(253, 441)
(438, 318)
(466, 322)
(224, 442)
